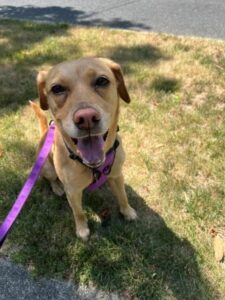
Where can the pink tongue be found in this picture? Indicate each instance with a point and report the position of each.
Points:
(91, 149)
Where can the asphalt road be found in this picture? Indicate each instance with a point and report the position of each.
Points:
(205, 18)
(17, 284)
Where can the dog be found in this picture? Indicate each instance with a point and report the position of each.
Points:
(83, 97)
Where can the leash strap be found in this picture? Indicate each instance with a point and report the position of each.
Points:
(26, 189)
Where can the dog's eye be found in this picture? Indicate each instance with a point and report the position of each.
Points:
(58, 89)
(101, 81)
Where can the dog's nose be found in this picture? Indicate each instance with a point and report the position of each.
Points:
(86, 118)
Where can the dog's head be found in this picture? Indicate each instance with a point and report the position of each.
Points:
(83, 96)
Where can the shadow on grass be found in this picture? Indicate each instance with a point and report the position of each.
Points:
(166, 85)
(14, 40)
(138, 53)
(18, 73)
(130, 57)
(144, 258)
(25, 46)
(11, 181)
(59, 14)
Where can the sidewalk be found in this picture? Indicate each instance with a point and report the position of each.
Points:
(17, 284)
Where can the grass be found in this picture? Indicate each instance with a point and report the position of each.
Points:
(174, 136)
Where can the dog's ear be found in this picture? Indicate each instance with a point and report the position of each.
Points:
(116, 69)
(41, 79)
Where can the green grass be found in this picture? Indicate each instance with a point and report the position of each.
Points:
(174, 136)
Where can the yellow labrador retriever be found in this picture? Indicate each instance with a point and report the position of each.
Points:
(83, 97)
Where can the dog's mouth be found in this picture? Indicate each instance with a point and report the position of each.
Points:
(90, 149)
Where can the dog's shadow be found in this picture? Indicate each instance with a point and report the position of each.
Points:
(144, 257)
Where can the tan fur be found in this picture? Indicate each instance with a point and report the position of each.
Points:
(59, 169)
(43, 122)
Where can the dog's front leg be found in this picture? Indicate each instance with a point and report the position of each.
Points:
(118, 189)
(75, 201)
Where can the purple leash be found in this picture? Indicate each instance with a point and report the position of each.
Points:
(25, 192)
(100, 176)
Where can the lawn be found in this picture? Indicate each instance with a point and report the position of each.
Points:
(174, 136)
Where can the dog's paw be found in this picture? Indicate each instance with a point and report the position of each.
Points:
(83, 233)
(129, 213)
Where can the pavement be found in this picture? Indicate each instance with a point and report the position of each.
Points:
(17, 284)
(204, 18)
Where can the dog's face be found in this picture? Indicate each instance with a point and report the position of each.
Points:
(83, 96)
